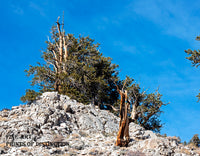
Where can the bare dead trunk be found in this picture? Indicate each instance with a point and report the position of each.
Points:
(123, 133)
(134, 111)
(60, 41)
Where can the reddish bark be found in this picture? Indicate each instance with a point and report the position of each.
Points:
(123, 133)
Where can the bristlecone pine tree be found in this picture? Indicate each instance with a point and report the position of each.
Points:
(146, 108)
(194, 57)
(75, 67)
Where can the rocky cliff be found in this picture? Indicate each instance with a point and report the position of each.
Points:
(56, 125)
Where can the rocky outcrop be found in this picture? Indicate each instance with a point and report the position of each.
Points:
(56, 125)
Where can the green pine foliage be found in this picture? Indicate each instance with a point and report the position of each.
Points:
(148, 106)
(75, 67)
(30, 96)
(194, 57)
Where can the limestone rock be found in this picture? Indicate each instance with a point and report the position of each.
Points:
(57, 125)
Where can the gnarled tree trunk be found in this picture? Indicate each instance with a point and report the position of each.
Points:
(123, 133)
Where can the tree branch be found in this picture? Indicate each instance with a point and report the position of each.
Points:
(65, 48)
(150, 115)
(54, 65)
(116, 86)
(54, 54)
(61, 41)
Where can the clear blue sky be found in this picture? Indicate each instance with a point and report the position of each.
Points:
(146, 38)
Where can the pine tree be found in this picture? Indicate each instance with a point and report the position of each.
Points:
(146, 108)
(75, 67)
(194, 57)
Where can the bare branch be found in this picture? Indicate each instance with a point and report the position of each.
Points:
(150, 115)
(58, 25)
(134, 94)
(54, 65)
(57, 46)
(61, 41)
(54, 53)
(65, 48)
(143, 92)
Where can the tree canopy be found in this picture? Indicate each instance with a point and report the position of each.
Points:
(74, 66)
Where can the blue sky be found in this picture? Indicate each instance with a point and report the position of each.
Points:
(147, 38)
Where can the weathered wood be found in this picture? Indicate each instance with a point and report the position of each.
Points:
(60, 41)
(135, 113)
(123, 133)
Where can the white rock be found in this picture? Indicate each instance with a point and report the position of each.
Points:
(63, 125)
(84, 129)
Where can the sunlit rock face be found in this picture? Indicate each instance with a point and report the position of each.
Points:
(57, 125)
